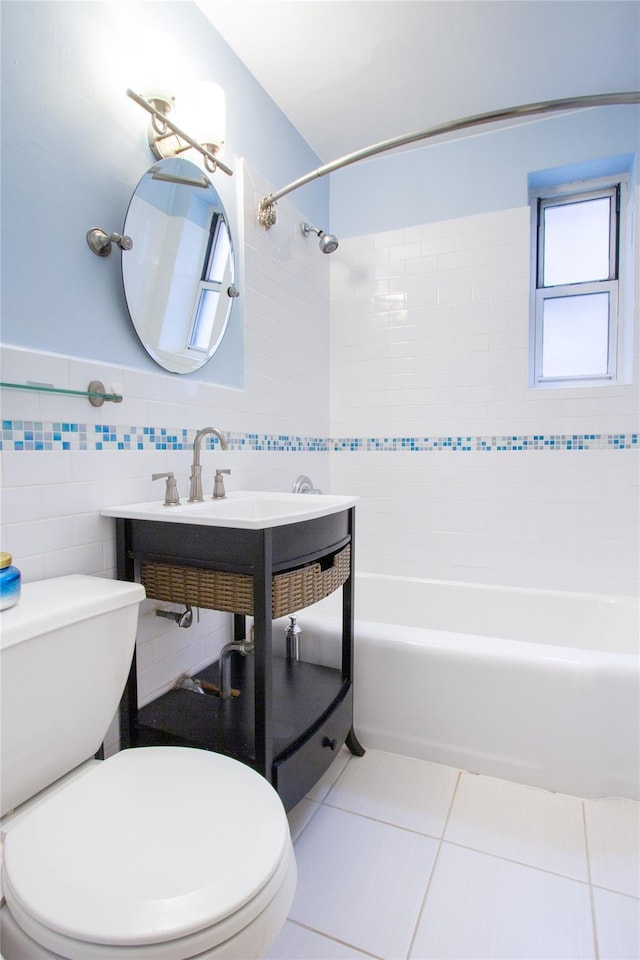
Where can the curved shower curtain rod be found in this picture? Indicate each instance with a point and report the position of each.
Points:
(266, 208)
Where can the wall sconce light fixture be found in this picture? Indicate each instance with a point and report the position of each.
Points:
(206, 114)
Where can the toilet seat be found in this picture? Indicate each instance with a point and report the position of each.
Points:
(157, 852)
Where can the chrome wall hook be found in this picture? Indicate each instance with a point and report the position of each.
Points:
(100, 242)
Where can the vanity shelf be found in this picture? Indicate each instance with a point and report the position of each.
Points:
(291, 717)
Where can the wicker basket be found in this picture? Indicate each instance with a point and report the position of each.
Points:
(233, 592)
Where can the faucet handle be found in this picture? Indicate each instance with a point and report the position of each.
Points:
(219, 492)
(171, 496)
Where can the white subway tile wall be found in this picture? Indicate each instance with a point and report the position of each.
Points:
(466, 473)
(403, 381)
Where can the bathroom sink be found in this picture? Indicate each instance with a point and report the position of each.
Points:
(248, 509)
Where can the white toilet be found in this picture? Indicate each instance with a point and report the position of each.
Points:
(158, 852)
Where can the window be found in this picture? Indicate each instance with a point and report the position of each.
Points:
(578, 241)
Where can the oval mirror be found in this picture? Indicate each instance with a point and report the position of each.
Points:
(179, 275)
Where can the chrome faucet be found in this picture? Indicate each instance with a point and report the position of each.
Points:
(195, 486)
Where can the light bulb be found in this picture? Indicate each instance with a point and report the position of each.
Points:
(203, 114)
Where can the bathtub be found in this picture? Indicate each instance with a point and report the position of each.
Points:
(538, 687)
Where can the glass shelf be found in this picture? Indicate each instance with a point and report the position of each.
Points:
(95, 393)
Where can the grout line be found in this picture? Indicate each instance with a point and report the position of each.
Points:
(591, 896)
(463, 846)
(385, 823)
(327, 936)
(435, 864)
(441, 837)
(519, 863)
(618, 893)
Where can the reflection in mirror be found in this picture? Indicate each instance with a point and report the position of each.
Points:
(179, 276)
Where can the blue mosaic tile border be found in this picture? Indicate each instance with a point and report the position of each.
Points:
(575, 441)
(36, 435)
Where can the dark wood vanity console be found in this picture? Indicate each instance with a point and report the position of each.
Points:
(290, 717)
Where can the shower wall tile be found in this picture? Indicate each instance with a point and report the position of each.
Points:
(436, 360)
(553, 520)
(456, 317)
(462, 471)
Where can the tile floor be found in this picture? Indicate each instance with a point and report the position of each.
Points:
(400, 858)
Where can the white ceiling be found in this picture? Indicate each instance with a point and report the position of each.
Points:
(350, 73)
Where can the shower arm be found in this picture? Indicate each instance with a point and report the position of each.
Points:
(266, 207)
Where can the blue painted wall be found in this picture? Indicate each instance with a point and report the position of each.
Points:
(550, 49)
(477, 174)
(74, 148)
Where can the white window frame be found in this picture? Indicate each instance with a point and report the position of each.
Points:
(614, 285)
(205, 284)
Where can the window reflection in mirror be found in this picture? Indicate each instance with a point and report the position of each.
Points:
(179, 271)
(215, 279)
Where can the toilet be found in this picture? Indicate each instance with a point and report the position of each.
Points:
(153, 853)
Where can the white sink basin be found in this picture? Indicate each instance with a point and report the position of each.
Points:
(248, 509)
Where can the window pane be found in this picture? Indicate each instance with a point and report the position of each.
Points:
(220, 253)
(576, 242)
(205, 320)
(575, 336)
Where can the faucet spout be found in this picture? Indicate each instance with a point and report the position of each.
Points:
(195, 485)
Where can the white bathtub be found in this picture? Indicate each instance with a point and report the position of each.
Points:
(538, 687)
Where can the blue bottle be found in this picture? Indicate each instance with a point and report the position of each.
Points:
(9, 582)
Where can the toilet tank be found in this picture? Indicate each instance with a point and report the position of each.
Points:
(65, 653)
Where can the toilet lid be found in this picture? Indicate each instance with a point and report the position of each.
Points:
(154, 844)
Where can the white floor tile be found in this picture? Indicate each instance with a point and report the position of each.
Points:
(361, 881)
(617, 925)
(408, 793)
(525, 824)
(298, 943)
(613, 839)
(479, 906)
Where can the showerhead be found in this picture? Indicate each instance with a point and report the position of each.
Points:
(328, 243)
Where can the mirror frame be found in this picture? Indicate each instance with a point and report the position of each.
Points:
(179, 277)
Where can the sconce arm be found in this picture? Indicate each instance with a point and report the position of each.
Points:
(211, 161)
